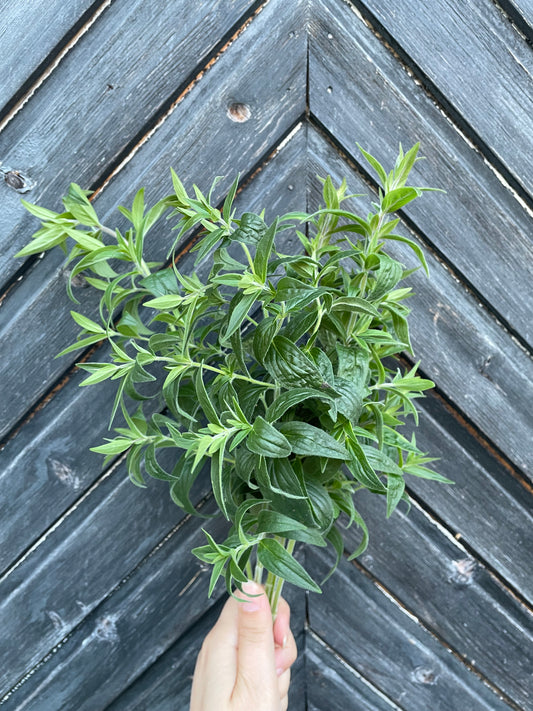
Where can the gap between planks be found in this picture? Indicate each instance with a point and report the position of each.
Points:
(352, 670)
(446, 108)
(412, 616)
(151, 125)
(175, 99)
(459, 277)
(45, 69)
(66, 376)
(199, 505)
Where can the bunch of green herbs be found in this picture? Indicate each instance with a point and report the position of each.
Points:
(275, 370)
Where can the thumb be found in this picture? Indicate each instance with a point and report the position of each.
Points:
(256, 675)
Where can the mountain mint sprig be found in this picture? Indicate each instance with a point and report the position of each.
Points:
(274, 370)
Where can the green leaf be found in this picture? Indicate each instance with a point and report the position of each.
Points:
(382, 175)
(322, 505)
(86, 323)
(203, 397)
(41, 212)
(413, 245)
(387, 276)
(113, 446)
(335, 538)
(380, 461)
(263, 335)
(161, 283)
(362, 469)
(397, 198)
(273, 556)
(395, 490)
(230, 197)
(290, 398)
(356, 305)
(220, 482)
(78, 205)
(266, 440)
(308, 440)
(264, 251)
(289, 365)
(251, 229)
(169, 301)
(239, 307)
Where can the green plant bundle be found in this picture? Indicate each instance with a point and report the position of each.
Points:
(275, 370)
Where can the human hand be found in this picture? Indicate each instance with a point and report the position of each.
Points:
(245, 661)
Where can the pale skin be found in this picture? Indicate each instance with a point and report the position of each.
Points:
(245, 660)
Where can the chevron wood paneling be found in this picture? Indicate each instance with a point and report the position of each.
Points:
(102, 607)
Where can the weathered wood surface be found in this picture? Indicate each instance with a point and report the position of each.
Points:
(98, 588)
(44, 470)
(480, 229)
(189, 140)
(332, 684)
(48, 30)
(390, 648)
(494, 96)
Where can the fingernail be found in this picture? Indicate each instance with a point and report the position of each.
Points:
(254, 604)
(279, 671)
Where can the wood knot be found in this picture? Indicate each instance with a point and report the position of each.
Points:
(462, 571)
(424, 675)
(16, 181)
(239, 112)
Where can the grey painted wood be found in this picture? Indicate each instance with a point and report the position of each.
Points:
(78, 564)
(199, 144)
(100, 97)
(387, 647)
(521, 13)
(495, 95)
(484, 491)
(454, 595)
(29, 32)
(130, 630)
(462, 348)
(334, 685)
(360, 92)
(44, 468)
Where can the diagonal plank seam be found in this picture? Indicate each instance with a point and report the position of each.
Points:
(65, 377)
(406, 611)
(52, 61)
(454, 117)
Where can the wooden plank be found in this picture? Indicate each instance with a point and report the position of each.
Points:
(334, 685)
(29, 33)
(495, 94)
(521, 13)
(79, 562)
(110, 77)
(360, 92)
(200, 141)
(47, 465)
(451, 593)
(386, 646)
(132, 628)
(462, 348)
(484, 491)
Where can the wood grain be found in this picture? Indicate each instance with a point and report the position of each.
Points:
(99, 99)
(494, 95)
(30, 33)
(199, 144)
(386, 646)
(334, 685)
(45, 468)
(454, 595)
(360, 92)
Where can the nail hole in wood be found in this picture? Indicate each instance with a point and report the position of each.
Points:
(239, 112)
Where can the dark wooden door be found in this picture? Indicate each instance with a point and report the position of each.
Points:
(101, 604)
